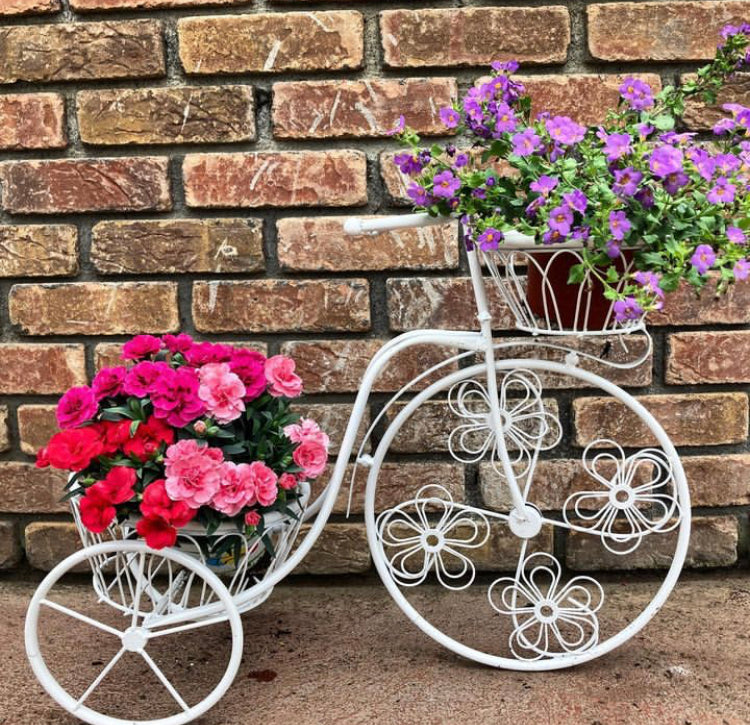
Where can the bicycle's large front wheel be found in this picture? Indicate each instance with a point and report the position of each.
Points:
(522, 588)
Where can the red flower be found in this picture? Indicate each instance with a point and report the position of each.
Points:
(117, 487)
(141, 346)
(249, 366)
(156, 503)
(157, 532)
(42, 458)
(74, 449)
(97, 512)
(148, 438)
(115, 434)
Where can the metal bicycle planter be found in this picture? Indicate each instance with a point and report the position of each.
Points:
(494, 530)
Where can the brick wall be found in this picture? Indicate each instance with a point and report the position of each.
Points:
(187, 164)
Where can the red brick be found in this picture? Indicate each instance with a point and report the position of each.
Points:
(689, 420)
(49, 542)
(28, 369)
(340, 549)
(69, 186)
(700, 116)
(686, 307)
(83, 6)
(474, 36)
(36, 425)
(708, 357)
(660, 31)
(176, 114)
(95, 308)
(272, 42)
(370, 108)
(81, 51)
(29, 7)
(338, 366)
(4, 432)
(25, 489)
(218, 246)
(722, 480)
(32, 121)
(276, 179)
(277, 305)
(10, 544)
(38, 251)
(319, 243)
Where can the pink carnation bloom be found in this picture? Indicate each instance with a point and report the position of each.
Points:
(306, 430)
(237, 489)
(252, 518)
(108, 382)
(249, 366)
(287, 481)
(175, 397)
(139, 380)
(202, 353)
(311, 456)
(193, 472)
(222, 391)
(282, 378)
(178, 343)
(265, 480)
(141, 346)
(76, 407)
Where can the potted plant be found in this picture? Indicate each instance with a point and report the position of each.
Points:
(648, 206)
(188, 438)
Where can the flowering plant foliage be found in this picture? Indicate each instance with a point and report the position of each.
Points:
(186, 431)
(633, 181)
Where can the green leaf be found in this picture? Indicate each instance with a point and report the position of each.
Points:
(669, 282)
(577, 274)
(663, 122)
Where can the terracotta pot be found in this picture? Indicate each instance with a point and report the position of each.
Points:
(555, 266)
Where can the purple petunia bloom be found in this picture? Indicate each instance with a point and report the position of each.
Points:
(553, 236)
(479, 194)
(564, 130)
(626, 181)
(665, 160)
(526, 142)
(703, 258)
(726, 163)
(613, 249)
(505, 119)
(741, 270)
(722, 192)
(675, 139)
(637, 93)
(408, 163)
(418, 194)
(743, 118)
(616, 145)
(473, 105)
(650, 282)
(576, 200)
(581, 234)
(561, 219)
(703, 162)
(450, 117)
(489, 239)
(644, 130)
(736, 235)
(544, 184)
(627, 309)
(674, 182)
(724, 126)
(619, 224)
(533, 208)
(445, 185)
(461, 161)
(506, 66)
(645, 197)
(399, 127)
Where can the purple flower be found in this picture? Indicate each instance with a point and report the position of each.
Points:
(722, 192)
(743, 118)
(445, 185)
(560, 219)
(526, 142)
(675, 139)
(617, 145)
(489, 239)
(665, 160)
(450, 117)
(703, 162)
(741, 270)
(399, 127)
(644, 130)
(544, 184)
(626, 181)
(564, 130)
(490, 181)
(727, 163)
(703, 258)
(613, 249)
(645, 197)
(674, 182)
(637, 93)
(736, 235)
(533, 208)
(650, 282)
(619, 224)
(418, 194)
(479, 194)
(505, 119)
(627, 309)
(576, 200)
(724, 126)
(581, 234)
(472, 105)
(508, 66)
(461, 161)
(553, 236)
(408, 163)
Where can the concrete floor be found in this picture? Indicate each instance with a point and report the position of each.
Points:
(343, 653)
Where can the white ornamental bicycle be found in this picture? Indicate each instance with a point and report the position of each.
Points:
(505, 534)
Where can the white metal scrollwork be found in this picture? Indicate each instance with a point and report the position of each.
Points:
(550, 618)
(427, 534)
(635, 498)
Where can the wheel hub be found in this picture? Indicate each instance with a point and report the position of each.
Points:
(134, 639)
(525, 523)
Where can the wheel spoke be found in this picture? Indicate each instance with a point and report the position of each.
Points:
(164, 681)
(81, 617)
(185, 627)
(99, 678)
(138, 589)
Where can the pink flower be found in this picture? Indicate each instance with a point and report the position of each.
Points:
(249, 366)
(140, 379)
(222, 391)
(177, 343)
(265, 481)
(202, 353)
(76, 407)
(287, 481)
(306, 430)
(175, 396)
(282, 378)
(108, 382)
(237, 489)
(193, 472)
(141, 346)
(252, 518)
(311, 456)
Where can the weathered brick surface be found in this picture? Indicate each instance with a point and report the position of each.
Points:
(38, 251)
(81, 51)
(333, 418)
(337, 366)
(708, 357)
(32, 121)
(100, 5)
(276, 305)
(4, 433)
(25, 489)
(68, 186)
(659, 31)
(713, 542)
(685, 307)
(28, 369)
(720, 480)
(474, 36)
(340, 549)
(10, 544)
(272, 42)
(319, 243)
(330, 109)
(187, 114)
(219, 246)
(689, 420)
(49, 542)
(290, 178)
(29, 7)
(700, 116)
(36, 425)
(95, 308)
